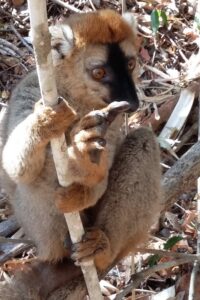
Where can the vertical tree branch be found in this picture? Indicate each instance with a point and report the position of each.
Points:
(42, 48)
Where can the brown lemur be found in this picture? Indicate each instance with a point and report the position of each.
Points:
(94, 58)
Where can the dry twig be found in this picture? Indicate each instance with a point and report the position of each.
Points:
(9, 48)
(166, 253)
(179, 115)
(185, 138)
(17, 250)
(12, 27)
(68, 6)
(137, 278)
(92, 5)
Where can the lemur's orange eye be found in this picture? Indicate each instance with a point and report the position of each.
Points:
(98, 73)
(131, 64)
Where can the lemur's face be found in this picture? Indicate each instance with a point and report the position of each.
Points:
(109, 70)
(97, 58)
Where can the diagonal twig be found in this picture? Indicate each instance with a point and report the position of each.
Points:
(12, 27)
(137, 278)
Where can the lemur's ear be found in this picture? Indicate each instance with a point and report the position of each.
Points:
(62, 41)
(130, 19)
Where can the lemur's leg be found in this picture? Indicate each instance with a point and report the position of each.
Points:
(130, 204)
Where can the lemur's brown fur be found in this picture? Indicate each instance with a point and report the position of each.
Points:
(104, 27)
(121, 219)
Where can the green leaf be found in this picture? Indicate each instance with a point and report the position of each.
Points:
(172, 241)
(197, 21)
(164, 17)
(155, 22)
(153, 259)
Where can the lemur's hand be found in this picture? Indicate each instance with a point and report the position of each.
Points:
(89, 151)
(53, 121)
(88, 158)
(89, 134)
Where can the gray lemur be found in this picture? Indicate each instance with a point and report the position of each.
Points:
(112, 179)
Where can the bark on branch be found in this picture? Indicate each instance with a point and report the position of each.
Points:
(182, 176)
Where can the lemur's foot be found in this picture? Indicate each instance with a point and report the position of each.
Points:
(94, 245)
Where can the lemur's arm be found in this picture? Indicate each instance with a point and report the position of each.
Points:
(24, 152)
(89, 160)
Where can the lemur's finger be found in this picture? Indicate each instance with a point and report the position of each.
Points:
(92, 119)
(91, 134)
(115, 108)
(107, 114)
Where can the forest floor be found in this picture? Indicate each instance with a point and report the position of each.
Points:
(168, 88)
